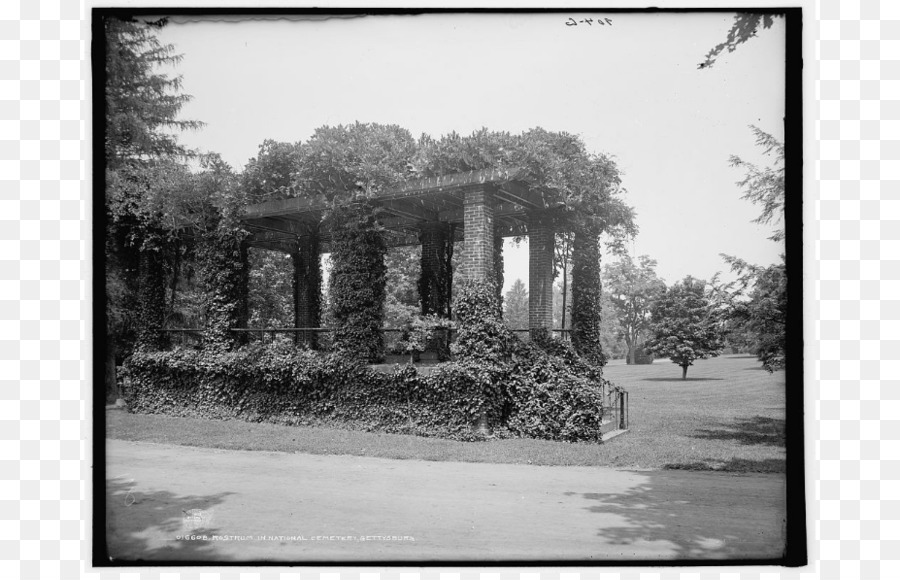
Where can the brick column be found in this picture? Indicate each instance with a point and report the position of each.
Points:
(307, 288)
(478, 224)
(434, 287)
(540, 274)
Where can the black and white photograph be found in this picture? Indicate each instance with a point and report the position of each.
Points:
(418, 287)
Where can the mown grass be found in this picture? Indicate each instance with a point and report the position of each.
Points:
(728, 416)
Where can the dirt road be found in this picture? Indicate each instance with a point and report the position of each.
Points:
(257, 506)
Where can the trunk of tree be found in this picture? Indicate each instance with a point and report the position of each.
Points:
(684, 372)
(631, 354)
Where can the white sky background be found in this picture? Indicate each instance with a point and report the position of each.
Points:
(631, 89)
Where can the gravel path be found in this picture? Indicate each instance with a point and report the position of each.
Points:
(260, 506)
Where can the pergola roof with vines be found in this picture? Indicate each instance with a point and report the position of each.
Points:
(404, 209)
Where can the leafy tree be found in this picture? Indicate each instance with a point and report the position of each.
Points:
(685, 325)
(757, 300)
(353, 161)
(757, 309)
(515, 306)
(767, 314)
(632, 289)
(765, 186)
(562, 263)
(401, 303)
(745, 27)
(270, 175)
(610, 338)
(271, 293)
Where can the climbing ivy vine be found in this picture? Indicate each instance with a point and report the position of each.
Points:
(357, 280)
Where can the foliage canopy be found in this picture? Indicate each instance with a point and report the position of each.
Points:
(765, 186)
(745, 27)
(686, 326)
(633, 287)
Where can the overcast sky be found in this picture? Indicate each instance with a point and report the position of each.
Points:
(630, 89)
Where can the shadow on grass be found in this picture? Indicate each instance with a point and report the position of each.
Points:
(143, 525)
(690, 516)
(747, 431)
(734, 465)
(680, 380)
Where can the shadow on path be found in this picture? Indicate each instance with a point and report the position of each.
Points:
(144, 525)
(689, 516)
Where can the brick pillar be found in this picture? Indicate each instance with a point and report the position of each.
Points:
(478, 224)
(307, 288)
(540, 274)
(434, 279)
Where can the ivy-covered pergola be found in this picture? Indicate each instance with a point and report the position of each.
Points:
(355, 191)
(479, 208)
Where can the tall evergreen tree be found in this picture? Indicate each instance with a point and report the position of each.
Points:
(142, 104)
(515, 306)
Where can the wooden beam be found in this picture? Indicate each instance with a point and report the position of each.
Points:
(410, 210)
(275, 207)
(520, 194)
(454, 181)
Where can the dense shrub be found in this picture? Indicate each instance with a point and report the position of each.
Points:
(542, 389)
(532, 395)
(482, 335)
(282, 385)
(643, 356)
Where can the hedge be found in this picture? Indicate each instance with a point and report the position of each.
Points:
(531, 394)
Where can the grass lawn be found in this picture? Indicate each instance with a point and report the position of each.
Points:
(728, 415)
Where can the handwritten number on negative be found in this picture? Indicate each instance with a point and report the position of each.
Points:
(589, 21)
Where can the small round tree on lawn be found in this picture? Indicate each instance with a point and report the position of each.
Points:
(685, 324)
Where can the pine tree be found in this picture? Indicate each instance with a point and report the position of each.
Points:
(142, 104)
(515, 306)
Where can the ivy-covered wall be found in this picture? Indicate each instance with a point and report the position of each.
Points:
(356, 285)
